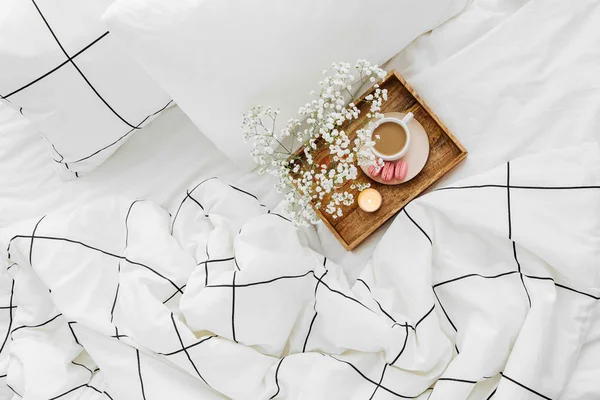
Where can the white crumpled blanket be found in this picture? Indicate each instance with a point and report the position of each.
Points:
(490, 286)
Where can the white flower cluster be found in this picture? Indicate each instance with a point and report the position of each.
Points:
(310, 178)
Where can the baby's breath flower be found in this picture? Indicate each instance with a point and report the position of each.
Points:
(306, 182)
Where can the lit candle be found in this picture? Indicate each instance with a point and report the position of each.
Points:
(369, 200)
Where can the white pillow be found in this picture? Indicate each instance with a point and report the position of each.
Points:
(217, 58)
(64, 71)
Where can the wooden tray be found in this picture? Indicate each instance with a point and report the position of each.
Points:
(445, 152)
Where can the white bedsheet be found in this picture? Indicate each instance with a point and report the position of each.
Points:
(508, 81)
(463, 69)
(156, 163)
(511, 78)
(476, 291)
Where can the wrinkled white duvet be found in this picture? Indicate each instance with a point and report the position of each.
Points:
(487, 289)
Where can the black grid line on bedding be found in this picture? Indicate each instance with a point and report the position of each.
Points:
(70, 60)
(457, 380)
(206, 264)
(233, 307)
(312, 322)
(112, 309)
(508, 187)
(433, 287)
(139, 369)
(514, 246)
(119, 336)
(13, 390)
(508, 273)
(138, 126)
(562, 286)
(320, 281)
(183, 347)
(37, 325)
(180, 290)
(277, 379)
(407, 333)
(208, 260)
(366, 378)
(418, 226)
(447, 316)
(215, 260)
(447, 379)
(122, 258)
(278, 278)
(581, 187)
(114, 303)
(379, 383)
(32, 236)
(285, 277)
(7, 96)
(83, 386)
(278, 215)
(377, 302)
(424, 316)
(234, 286)
(83, 366)
(107, 395)
(188, 347)
(188, 195)
(10, 319)
(69, 323)
(524, 386)
(108, 146)
(475, 275)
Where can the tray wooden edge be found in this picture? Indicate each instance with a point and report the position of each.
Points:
(369, 231)
(429, 110)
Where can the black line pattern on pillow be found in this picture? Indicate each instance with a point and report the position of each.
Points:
(70, 59)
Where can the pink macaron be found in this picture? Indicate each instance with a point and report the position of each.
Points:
(387, 174)
(401, 170)
(374, 170)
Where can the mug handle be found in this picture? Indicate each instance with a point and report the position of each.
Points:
(408, 117)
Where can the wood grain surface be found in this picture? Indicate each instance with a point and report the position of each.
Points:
(445, 152)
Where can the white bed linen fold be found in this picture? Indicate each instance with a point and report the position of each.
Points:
(511, 78)
(568, 352)
(489, 285)
(156, 164)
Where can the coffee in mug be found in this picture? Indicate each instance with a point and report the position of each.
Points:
(392, 137)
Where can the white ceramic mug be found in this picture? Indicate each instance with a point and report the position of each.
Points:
(403, 123)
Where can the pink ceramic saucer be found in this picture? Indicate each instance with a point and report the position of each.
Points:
(417, 155)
